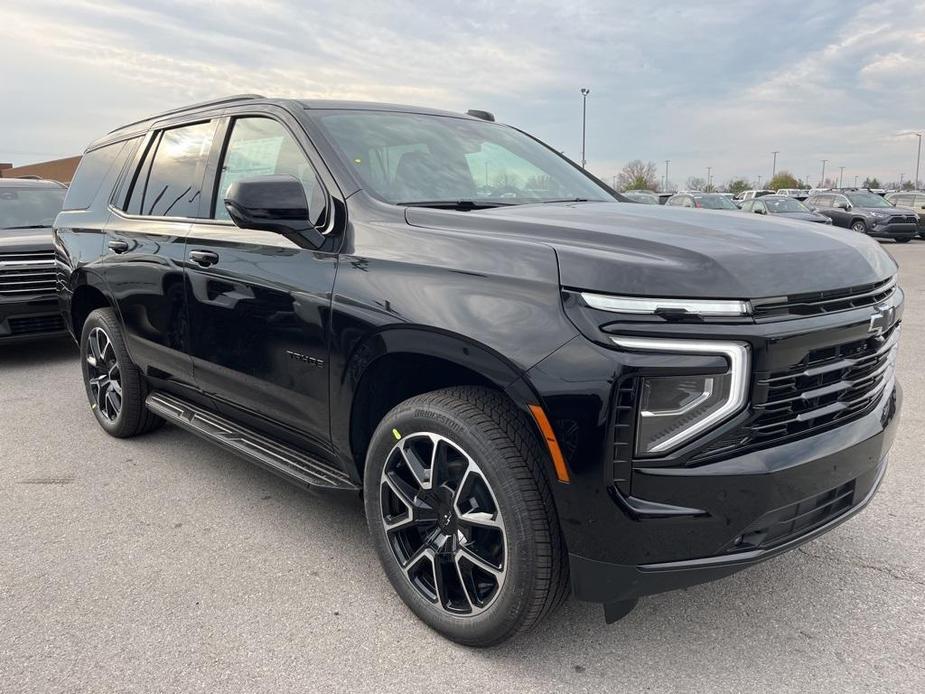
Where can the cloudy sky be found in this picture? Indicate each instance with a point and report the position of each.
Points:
(718, 84)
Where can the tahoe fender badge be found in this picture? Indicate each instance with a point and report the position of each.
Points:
(311, 361)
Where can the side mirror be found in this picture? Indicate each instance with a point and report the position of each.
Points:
(273, 203)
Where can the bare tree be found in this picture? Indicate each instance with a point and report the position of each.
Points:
(638, 175)
(696, 183)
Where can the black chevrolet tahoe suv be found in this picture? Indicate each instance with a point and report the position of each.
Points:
(866, 213)
(538, 389)
(28, 300)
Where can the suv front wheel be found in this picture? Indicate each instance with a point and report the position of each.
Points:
(461, 515)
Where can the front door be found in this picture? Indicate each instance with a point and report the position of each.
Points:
(259, 304)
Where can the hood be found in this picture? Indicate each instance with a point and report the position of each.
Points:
(25, 240)
(643, 250)
(804, 216)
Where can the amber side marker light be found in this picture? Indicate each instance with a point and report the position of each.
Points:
(551, 443)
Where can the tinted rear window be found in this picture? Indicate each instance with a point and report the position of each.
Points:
(169, 182)
(94, 167)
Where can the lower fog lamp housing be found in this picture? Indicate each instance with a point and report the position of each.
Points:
(673, 410)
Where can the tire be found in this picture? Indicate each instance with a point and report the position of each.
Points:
(114, 385)
(859, 226)
(477, 430)
(904, 239)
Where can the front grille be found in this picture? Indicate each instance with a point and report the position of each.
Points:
(827, 388)
(26, 274)
(903, 219)
(790, 522)
(815, 303)
(35, 325)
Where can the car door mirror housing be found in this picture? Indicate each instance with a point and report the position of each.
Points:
(274, 203)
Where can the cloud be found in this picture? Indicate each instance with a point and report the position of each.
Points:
(718, 84)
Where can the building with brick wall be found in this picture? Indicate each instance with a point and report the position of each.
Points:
(56, 169)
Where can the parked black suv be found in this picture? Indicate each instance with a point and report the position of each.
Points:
(537, 388)
(28, 301)
(866, 213)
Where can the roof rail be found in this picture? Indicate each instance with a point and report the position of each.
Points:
(192, 107)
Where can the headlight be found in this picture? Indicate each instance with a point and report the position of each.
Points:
(879, 215)
(676, 409)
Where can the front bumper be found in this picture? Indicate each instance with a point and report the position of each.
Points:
(894, 231)
(33, 318)
(777, 485)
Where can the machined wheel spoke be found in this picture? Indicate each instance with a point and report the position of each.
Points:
(475, 559)
(466, 588)
(114, 401)
(481, 518)
(401, 489)
(420, 470)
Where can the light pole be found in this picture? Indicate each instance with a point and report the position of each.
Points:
(709, 177)
(918, 159)
(759, 183)
(584, 121)
(774, 164)
(901, 177)
(667, 162)
(841, 176)
(855, 181)
(822, 180)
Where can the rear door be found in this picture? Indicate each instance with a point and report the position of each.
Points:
(144, 248)
(259, 304)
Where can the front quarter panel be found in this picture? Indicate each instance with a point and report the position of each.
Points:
(490, 304)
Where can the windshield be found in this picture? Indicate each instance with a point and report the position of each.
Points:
(29, 207)
(407, 158)
(785, 205)
(867, 200)
(714, 202)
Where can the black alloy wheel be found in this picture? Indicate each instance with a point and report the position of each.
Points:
(443, 523)
(104, 377)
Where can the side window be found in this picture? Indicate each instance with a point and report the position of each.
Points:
(823, 201)
(687, 202)
(747, 206)
(103, 163)
(760, 207)
(673, 202)
(169, 181)
(263, 147)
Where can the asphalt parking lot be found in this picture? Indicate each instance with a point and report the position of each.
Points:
(163, 564)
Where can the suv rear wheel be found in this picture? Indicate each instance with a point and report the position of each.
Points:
(115, 387)
(462, 517)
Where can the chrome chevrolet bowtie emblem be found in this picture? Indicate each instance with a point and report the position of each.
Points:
(881, 320)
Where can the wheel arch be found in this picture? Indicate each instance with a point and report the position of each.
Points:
(399, 363)
(88, 293)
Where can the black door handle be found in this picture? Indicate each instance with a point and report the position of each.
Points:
(203, 258)
(118, 246)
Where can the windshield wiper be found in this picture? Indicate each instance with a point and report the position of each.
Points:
(31, 226)
(461, 205)
(547, 202)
